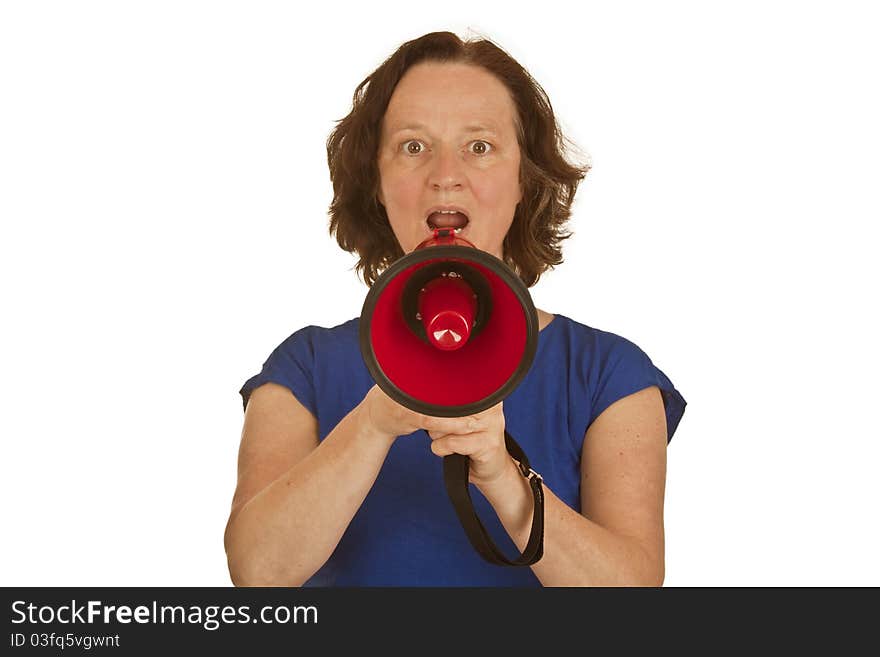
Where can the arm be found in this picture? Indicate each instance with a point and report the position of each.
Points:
(295, 496)
(618, 541)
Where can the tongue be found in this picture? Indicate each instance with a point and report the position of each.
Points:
(442, 220)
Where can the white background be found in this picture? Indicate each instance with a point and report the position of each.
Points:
(164, 194)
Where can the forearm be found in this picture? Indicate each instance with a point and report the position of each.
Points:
(285, 533)
(577, 552)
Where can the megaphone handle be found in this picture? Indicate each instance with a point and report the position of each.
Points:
(455, 474)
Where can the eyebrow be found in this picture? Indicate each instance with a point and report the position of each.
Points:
(476, 127)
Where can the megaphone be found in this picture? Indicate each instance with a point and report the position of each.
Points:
(449, 330)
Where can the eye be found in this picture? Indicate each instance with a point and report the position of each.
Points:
(412, 147)
(483, 147)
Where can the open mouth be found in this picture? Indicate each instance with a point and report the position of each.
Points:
(453, 219)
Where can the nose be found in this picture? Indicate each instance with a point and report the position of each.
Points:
(446, 172)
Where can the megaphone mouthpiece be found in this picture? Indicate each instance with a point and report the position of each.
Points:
(447, 307)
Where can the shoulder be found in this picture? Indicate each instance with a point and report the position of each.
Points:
(308, 360)
(315, 337)
(339, 331)
(597, 345)
(616, 367)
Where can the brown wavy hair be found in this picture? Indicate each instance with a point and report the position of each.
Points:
(548, 180)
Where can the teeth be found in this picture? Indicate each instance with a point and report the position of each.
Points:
(455, 230)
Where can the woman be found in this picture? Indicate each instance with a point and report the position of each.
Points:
(340, 485)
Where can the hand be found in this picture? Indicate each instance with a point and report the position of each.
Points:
(386, 417)
(480, 437)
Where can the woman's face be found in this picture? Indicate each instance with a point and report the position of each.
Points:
(449, 139)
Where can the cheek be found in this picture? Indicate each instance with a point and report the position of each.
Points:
(402, 200)
(400, 187)
(501, 193)
(401, 193)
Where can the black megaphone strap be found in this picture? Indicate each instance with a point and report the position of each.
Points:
(455, 475)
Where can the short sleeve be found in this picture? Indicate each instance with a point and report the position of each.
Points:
(626, 369)
(291, 364)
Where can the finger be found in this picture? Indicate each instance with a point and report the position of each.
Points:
(438, 435)
(457, 444)
(453, 444)
(441, 448)
(457, 425)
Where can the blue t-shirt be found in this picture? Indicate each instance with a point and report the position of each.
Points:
(406, 532)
